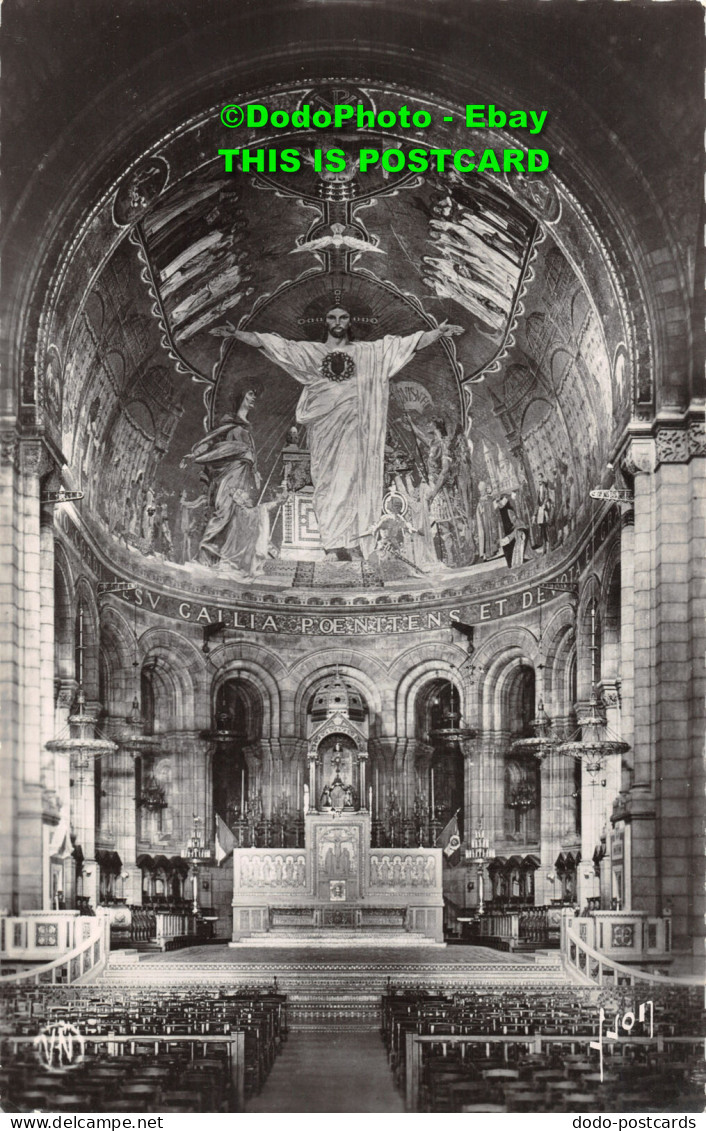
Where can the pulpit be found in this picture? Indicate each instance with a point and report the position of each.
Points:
(337, 880)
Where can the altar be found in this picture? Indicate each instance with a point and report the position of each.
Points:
(337, 880)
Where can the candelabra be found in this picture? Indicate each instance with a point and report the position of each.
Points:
(153, 796)
(421, 818)
(478, 854)
(392, 819)
(197, 852)
(543, 740)
(523, 797)
(281, 819)
(452, 732)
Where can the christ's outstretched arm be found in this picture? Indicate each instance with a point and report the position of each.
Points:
(427, 339)
(248, 337)
(430, 336)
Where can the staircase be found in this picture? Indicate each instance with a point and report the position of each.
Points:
(333, 995)
(336, 985)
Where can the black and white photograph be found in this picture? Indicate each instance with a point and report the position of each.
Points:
(353, 534)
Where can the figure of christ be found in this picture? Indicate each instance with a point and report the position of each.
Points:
(344, 406)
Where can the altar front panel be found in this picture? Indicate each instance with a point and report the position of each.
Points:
(337, 880)
(338, 862)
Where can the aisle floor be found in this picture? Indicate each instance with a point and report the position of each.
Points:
(330, 1072)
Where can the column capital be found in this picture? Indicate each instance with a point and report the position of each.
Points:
(31, 456)
(697, 437)
(639, 457)
(671, 437)
(609, 691)
(66, 692)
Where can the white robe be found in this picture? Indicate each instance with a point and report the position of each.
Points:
(346, 423)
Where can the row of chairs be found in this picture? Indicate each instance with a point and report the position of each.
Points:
(157, 1022)
(478, 1078)
(179, 1079)
(508, 1072)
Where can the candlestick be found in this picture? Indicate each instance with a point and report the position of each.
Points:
(377, 793)
(299, 778)
(242, 792)
(370, 799)
(432, 792)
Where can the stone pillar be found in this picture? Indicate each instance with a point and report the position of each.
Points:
(290, 755)
(313, 799)
(551, 779)
(627, 638)
(119, 783)
(389, 757)
(208, 821)
(610, 693)
(665, 803)
(470, 818)
(492, 771)
(46, 580)
(51, 803)
(265, 772)
(21, 836)
(592, 808)
(83, 820)
(192, 785)
(362, 762)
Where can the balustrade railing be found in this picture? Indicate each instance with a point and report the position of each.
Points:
(528, 925)
(175, 925)
(144, 924)
(534, 925)
(83, 963)
(589, 966)
(504, 925)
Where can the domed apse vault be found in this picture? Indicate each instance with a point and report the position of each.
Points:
(492, 439)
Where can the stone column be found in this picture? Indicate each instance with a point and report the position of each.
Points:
(290, 754)
(627, 638)
(664, 805)
(83, 819)
(640, 465)
(120, 787)
(21, 837)
(265, 769)
(313, 800)
(493, 785)
(610, 693)
(592, 808)
(390, 756)
(10, 627)
(470, 819)
(46, 580)
(192, 788)
(551, 797)
(362, 762)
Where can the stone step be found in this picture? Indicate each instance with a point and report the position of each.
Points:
(124, 957)
(332, 979)
(334, 1015)
(334, 937)
(547, 958)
